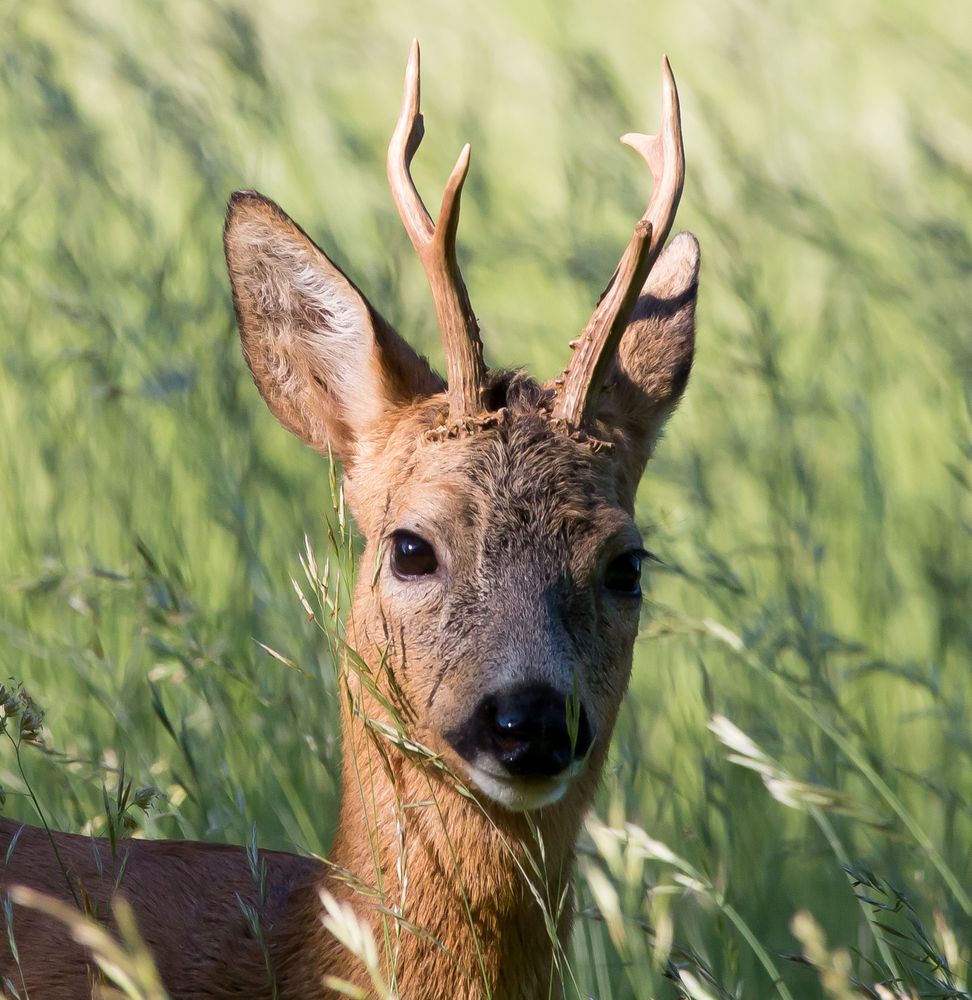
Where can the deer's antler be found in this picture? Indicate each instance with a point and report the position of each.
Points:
(582, 382)
(435, 244)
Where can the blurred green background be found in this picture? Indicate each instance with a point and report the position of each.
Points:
(811, 502)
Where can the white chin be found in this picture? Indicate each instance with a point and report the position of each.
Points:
(520, 795)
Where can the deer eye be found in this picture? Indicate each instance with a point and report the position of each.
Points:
(412, 556)
(623, 573)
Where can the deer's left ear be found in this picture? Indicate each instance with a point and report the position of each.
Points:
(655, 357)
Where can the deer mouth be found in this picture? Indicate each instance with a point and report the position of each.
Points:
(521, 794)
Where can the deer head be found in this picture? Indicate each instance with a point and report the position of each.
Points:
(497, 510)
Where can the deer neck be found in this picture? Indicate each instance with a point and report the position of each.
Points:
(453, 887)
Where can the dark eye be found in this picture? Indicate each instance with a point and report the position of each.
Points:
(623, 574)
(411, 555)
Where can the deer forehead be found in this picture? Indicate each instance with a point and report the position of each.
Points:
(516, 487)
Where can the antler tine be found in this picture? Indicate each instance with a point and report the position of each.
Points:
(590, 363)
(435, 243)
(665, 157)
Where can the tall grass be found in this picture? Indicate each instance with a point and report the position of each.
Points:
(787, 808)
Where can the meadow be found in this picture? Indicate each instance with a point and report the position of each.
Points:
(788, 806)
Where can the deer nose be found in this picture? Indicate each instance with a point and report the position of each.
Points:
(530, 732)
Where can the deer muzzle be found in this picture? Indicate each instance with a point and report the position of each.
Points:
(524, 743)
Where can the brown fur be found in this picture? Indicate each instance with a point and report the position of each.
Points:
(523, 517)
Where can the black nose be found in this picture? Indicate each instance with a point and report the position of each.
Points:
(528, 729)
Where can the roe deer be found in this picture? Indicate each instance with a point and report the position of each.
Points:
(496, 625)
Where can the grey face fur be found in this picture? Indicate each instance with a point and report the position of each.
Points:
(524, 523)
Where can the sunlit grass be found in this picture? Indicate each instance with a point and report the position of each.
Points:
(811, 506)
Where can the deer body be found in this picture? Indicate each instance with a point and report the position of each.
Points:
(492, 628)
(184, 894)
(185, 897)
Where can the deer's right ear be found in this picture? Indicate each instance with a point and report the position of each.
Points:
(328, 366)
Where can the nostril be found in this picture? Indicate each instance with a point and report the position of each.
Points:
(511, 727)
(512, 721)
